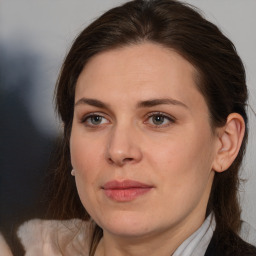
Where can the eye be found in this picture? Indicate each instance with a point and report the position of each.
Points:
(159, 120)
(93, 120)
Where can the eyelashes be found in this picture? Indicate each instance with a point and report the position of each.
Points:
(153, 119)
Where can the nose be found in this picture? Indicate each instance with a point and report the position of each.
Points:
(123, 146)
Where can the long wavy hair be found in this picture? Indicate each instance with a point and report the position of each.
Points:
(221, 81)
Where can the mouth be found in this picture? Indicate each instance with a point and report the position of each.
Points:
(125, 191)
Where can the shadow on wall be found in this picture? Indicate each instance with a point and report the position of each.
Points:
(24, 150)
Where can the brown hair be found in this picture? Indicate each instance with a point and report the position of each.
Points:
(221, 80)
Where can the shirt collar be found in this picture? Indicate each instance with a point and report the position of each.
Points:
(197, 243)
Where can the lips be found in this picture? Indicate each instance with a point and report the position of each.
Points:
(124, 191)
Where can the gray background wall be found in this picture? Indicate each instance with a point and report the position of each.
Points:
(35, 36)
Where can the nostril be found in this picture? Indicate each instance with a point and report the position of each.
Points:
(120, 161)
(110, 160)
(127, 160)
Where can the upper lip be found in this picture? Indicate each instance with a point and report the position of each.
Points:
(125, 184)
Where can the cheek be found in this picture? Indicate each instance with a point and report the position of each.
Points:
(85, 151)
(86, 157)
(186, 168)
(186, 160)
(180, 150)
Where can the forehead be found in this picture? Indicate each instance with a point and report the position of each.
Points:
(140, 71)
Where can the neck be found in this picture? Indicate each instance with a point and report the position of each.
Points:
(164, 243)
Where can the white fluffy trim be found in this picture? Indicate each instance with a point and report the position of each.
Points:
(54, 238)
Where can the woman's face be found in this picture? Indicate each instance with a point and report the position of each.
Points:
(141, 143)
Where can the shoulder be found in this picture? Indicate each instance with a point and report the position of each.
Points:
(53, 237)
(229, 244)
(248, 233)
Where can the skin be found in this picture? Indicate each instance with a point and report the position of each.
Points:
(175, 156)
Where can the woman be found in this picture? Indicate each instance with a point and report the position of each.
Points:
(152, 98)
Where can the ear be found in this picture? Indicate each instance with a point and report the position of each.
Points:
(230, 138)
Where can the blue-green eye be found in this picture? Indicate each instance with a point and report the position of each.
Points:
(159, 119)
(94, 120)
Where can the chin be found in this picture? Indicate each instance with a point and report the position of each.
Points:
(128, 230)
(127, 224)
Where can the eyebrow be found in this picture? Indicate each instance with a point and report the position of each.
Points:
(141, 104)
(92, 102)
(155, 102)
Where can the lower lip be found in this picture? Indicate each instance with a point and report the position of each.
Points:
(126, 195)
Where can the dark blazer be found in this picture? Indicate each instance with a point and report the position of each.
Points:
(229, 244)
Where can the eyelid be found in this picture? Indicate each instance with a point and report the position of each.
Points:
(160, 113)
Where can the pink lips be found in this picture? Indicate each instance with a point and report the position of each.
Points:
(126, 190)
